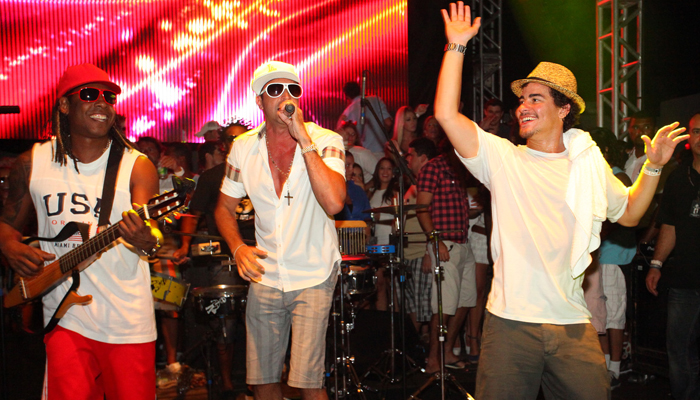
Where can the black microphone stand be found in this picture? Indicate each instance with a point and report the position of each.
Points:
(404, 172)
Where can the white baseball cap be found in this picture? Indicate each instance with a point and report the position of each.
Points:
(209, 126)
(272, 70)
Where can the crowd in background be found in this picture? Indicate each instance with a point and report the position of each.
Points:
(374, 180)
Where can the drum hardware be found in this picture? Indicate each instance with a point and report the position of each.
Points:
(221, 301)
(441, 375)
(385, 366)
(358, 277)
(346, 382)
(205, 249)
(405, 175)
(396, 209)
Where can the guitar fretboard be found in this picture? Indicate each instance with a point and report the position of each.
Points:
(92, 246)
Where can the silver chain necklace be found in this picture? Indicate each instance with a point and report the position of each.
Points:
(286, 174)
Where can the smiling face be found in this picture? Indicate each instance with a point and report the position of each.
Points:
(89, 119)
(537, 113)
(358, 176)
(385, 173)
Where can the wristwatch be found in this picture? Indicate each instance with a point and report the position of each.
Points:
(456, 47)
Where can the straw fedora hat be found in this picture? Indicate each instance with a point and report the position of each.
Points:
(555, 76)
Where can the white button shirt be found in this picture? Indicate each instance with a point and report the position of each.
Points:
(299, 237)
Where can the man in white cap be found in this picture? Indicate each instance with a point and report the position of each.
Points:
(107, 346)
(549, 199)
(293, 172)
(209, 131)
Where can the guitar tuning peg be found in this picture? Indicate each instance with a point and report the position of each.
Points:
(168, 220)
(176, 215)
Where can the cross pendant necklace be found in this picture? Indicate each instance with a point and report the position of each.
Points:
(286, 174)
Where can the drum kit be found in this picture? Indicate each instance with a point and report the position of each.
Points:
(357, 283)
(216, 304)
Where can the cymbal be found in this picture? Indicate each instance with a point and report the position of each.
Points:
(394, 210)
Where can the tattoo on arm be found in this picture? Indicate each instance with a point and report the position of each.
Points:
(19, 201)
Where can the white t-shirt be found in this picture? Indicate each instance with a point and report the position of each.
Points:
(533, 231)
(633, 165)
(383, 226)
(373, 137)
(121, 310)
(299, 237)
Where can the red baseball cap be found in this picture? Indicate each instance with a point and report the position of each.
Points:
(78, 75)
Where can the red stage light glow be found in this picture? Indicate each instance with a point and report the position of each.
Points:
(183, 63)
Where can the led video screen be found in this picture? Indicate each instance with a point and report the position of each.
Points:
(183, 63)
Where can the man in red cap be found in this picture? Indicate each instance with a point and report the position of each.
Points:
(549, 201)
(104, 348)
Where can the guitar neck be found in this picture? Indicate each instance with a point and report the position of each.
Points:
(92, 246)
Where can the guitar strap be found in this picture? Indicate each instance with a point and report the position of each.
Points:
(115, 156)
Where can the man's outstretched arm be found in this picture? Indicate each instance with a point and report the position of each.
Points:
(461, 131)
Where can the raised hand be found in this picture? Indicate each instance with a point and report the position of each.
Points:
(458, 24)
(660, 149)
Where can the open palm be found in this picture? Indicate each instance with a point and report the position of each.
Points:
(660, 149)
(458, 23)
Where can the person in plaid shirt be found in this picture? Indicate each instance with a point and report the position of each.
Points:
(441, 185)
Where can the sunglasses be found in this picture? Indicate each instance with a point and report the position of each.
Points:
(275, 90)
(89, 95)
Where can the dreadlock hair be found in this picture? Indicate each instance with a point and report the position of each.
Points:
(60, 128)
(234, 121)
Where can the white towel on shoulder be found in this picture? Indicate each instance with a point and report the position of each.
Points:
(586, 196)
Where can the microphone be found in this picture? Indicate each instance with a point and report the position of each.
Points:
(289, 108)
(362, 101)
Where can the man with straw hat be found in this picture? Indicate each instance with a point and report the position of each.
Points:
(549, 199)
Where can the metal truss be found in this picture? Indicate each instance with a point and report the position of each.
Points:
(619, 62)
(487, 79)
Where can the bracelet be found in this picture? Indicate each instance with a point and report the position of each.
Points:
(309, 148)
(651, 171)
(656, 264)
(456, 47)
(235, 251)
(154, 250)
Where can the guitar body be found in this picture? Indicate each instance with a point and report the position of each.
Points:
(81, 257)
(28, 289)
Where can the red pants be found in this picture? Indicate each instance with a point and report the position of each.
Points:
(78, 368)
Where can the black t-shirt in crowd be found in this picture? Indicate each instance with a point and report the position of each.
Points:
(206, 196)
(681, 191)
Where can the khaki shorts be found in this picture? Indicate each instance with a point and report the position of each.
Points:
(269, 315)
(459, 284)
(615, 290)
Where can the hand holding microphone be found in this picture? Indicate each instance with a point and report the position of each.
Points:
(289, 108)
